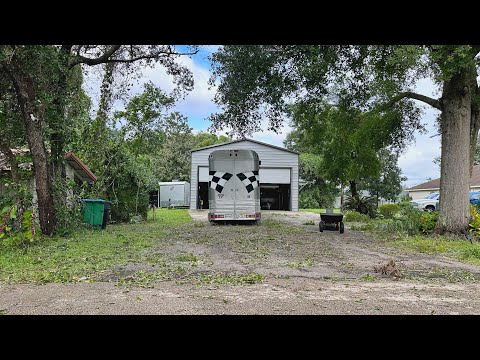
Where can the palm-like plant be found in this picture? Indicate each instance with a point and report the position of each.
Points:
(362, 204)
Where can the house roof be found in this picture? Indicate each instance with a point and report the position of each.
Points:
(239, 140)
(435, 184)
(82, 170)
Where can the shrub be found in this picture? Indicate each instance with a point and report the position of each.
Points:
(389, 210)
(363, 204)
(315, 197)
(355, 216)
(428, 220)
(410, 218)
(474, 221)
(407, 221)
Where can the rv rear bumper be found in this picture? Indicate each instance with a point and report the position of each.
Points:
(226, 217)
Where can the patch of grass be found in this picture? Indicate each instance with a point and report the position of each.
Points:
(309, 222)
(302, 264)
(441, 274)
(318, 211)
(86, 253)
(171, 217)
(147, 279)
(368, 278)
(271, 223)
(3, 312)
(188, 257)
(453, 247)
(362, 227)
(221, 279)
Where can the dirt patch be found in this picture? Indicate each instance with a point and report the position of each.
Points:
(279, 266)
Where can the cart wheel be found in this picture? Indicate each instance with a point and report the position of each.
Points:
(320, 226)
(342, 228)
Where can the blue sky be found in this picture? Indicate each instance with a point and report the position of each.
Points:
(416, 162)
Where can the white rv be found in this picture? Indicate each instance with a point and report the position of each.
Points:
(234, 185)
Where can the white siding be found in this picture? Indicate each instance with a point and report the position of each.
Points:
(270, 158)
(421, 194)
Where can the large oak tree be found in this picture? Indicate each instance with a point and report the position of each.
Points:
(261, 81)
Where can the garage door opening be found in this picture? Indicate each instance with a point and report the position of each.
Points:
(202, 201)
(275, 197)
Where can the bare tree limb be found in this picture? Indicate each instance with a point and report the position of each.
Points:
(411, 95)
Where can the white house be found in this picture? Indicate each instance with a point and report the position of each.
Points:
(420, 191)
(278, 174)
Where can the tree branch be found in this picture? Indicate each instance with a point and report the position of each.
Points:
(411, 95)
(79, 59)
(105, 57)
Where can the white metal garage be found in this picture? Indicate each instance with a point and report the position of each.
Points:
(278, 174)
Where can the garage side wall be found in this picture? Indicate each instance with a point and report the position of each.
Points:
(270, 158)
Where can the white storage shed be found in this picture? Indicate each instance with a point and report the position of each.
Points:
(174, 193)
(278, 174)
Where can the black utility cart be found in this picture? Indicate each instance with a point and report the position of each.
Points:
(331, 219)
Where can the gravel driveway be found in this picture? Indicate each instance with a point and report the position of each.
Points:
(284, 265)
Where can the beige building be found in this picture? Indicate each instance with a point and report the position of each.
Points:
(420, 191)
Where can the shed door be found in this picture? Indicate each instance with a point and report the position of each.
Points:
(203, 174)
(274, 176)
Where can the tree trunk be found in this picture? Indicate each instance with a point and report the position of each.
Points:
(456, 102)
(57, 123)
(474, 128)
(105, 103)
(33, 126)
(341, 195)
(353, 188)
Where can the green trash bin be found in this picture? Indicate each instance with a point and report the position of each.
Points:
(93, 211)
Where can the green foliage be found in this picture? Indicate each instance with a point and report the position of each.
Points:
(387, 185)
(388, 211)
(317, 197)
(355, 216)
(203, 139)
(69, 213)
(405, 198)
(317, 192)
(363, 204)
(18, 225)
(474, 221)
(408, 221)
(172, 161)
(428, 221)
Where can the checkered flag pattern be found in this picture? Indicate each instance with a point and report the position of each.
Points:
(218, 180)
(249, 179)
